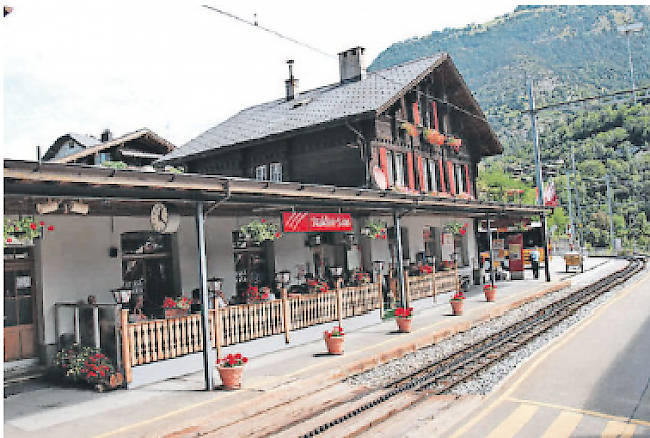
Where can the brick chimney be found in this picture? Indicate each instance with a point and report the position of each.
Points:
(291, 83)
(352, 64)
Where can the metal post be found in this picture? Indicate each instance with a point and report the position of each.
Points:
(575, 186)
(491, 252)
(568, 191)
(203, 284)
(629, 52)
(96, 326)
(400, 267)
(538, 175)
(611, 214)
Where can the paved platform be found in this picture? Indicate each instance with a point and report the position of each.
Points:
(42, 409)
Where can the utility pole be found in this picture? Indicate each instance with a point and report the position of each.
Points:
(627, 30)
(568, 192)
(538, 178)
(575, 185)
(611, 214)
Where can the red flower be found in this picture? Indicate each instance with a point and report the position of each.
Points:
(383, 237)
(263, 220)
(50, 228)
(33, 226)
(9, 240)
(41, 223)
(244, 360)
(238, 356)
(277, 234)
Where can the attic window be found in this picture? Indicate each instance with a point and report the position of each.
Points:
(302, 102)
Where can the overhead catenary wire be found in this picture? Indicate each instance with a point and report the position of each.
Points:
(256, 24)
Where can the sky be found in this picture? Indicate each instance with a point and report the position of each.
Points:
(180, 68)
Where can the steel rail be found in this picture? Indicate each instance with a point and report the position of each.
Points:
(492, 348)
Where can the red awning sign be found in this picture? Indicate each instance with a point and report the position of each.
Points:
(302, 222)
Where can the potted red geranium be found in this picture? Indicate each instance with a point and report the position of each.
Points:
(457, 302)
(334, 340)
(490, 292)
(230, 370)
(404, 318)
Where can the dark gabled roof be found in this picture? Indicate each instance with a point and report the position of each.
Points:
(85, 141)
(314, 107)
(154, 143)
(371, 95)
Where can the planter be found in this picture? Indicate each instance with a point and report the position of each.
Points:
(334, 344)
(404, 324)
(176, 313)
(490, 294)
(231, 376)
(457, 306)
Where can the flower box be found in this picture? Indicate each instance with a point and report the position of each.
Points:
(176, 313)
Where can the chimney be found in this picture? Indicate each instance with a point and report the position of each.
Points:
(291, 83)
(352, 65)
(107, 135)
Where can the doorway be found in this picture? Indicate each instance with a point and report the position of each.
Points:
(19, 304)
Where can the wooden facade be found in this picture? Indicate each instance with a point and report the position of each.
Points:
(393, 139)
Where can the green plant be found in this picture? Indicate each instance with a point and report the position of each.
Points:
(456, 227)
(375, 230)
(24, 228)
(232, 360)
(336, 332)
(115, 164)
(260, 230)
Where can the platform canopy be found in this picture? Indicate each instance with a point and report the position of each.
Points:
(132, 192)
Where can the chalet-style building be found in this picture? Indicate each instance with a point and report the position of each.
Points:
(138, 148)
(417, 122)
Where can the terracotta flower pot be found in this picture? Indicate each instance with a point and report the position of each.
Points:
(457, 306)
(231, 376)
(334, 344)
(490, 294)
(404, 324)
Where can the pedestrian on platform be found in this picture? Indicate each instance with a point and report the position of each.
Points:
(534, 261)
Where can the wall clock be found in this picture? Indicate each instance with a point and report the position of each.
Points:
(164, 218)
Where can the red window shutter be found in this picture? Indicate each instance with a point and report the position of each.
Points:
(416, 114)
(452, 180)
(423, 188)
(435, 116)
(442, 175)
(469, 187)
(409, 164)
(383, 162)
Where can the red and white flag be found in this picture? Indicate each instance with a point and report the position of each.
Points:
(550, 196)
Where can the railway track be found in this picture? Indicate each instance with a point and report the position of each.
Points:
(337, 410)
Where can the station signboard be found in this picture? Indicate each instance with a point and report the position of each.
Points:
(305, 222)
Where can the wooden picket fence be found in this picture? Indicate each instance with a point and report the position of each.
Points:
(431, 285)
(152, 341)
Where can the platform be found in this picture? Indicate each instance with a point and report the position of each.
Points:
(41, 410)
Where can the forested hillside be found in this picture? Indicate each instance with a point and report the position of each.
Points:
(569, 52)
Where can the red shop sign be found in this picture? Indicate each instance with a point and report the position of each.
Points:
(300, 221)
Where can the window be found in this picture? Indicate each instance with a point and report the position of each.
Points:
(390, 170)
(276, 172)
(425, 175)
(399, 170)
(260, 173)
(104, 156)
(433, 174)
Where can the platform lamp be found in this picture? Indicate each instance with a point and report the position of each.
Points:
(122, 295)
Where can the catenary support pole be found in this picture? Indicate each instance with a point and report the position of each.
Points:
(538, 176)
(568, 192)
(611, 213)
(400, 268)
(489, 231)
(203, 284)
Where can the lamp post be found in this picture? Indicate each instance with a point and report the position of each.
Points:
(627, 30)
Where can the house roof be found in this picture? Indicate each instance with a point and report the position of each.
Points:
(154, 143)
(82, 140)
(369, 96)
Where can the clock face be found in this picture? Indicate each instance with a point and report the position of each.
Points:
(159, 217)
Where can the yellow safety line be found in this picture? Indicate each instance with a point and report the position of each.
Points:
(578, 411)
(563, 425)
(515, 421)
(566, 338)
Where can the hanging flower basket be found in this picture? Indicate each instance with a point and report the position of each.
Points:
(374, 230)
(434, 137)
(24, 230)
(456, 228)
(410, 129)
(454, 143)
(260, 230)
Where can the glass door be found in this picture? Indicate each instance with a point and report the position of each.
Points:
(19, 330)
